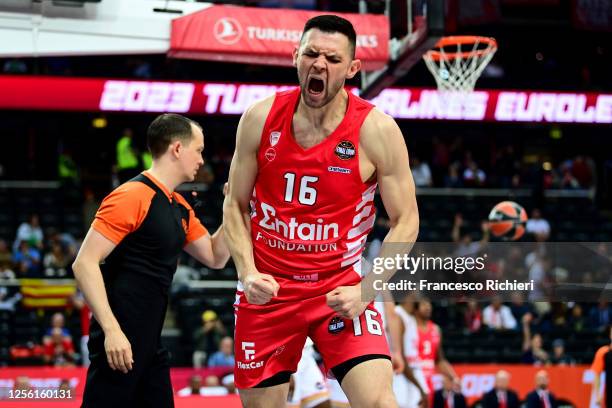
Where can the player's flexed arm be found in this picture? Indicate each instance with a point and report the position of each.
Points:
(382, 148)
(258, 288)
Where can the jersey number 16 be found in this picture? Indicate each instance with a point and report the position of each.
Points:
(307, 194)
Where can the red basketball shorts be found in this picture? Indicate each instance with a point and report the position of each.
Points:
(269, 338)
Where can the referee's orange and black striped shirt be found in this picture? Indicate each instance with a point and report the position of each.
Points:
(150, 227)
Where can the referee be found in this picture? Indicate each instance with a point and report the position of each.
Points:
(602, 363)
(125, 267)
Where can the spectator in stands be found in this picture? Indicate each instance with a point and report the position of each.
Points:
(180, 281)
(6, 272)
(7, 303)
(541, 397)
(59, 350)
(576, 322)
(194, 387)
(30, 232)
(22, 383)
(518, 306)
(228, 383)
(207, 338)
(507, 165)
(568, 181)
(90, 207)
(472, 316)
(67, 242)
(68, 173)
(127, 163)
(449, 395)
(78, 301)
(473, 176)
(15, 66)
(600, 316)
(440, 159)
(539, 264)
(558, 315)
(225, 356)
(559, 356)
(501, 396)
(453, 179)
(65, 386)
(213, 387)
(533, 352)
(582, 172)
(56, 262)
(27, 261)
(538, 226)
(6, 258)
(421, 172)
(465, 246)
(498, 316)
(58, 322)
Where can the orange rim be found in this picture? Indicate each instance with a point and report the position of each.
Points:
(436, 55)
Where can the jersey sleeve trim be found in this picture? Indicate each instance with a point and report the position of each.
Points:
(598, 361)
(123, 211)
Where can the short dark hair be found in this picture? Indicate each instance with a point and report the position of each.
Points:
(329, 23)
(166, 128)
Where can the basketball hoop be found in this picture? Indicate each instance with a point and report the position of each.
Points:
(457, 62)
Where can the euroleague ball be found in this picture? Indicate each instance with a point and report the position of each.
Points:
(507, 220)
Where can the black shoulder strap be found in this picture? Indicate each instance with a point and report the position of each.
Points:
(145, 180)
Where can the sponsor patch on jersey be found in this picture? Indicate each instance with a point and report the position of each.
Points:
(345, 150)
(336, 325)
(274, 138)
(334, 169)
(270, 154)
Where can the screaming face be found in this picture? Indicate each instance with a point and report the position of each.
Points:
(324, 62)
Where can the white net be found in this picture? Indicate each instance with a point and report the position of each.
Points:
(458, 65)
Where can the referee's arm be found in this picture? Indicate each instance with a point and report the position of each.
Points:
(96, 247)
(212, 251)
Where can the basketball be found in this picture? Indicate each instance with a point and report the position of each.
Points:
(507, 220)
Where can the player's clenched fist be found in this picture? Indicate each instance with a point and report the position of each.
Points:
(346, 301)
(260, 288)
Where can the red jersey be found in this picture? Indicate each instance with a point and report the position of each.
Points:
(311, 212)
(429, 342)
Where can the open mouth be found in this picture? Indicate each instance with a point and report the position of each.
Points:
(316, 86)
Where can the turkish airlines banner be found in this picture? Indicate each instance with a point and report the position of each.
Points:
(266, 36)
(569, 383)
(213, 98)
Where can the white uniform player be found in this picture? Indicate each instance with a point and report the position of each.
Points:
(407, 394)
(310, 387)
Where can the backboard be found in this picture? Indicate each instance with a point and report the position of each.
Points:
(423, 23)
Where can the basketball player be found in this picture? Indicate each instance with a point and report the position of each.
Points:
(126, 263)
(310, 389)
(409, 386)
(429, 346)
(309, 161)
